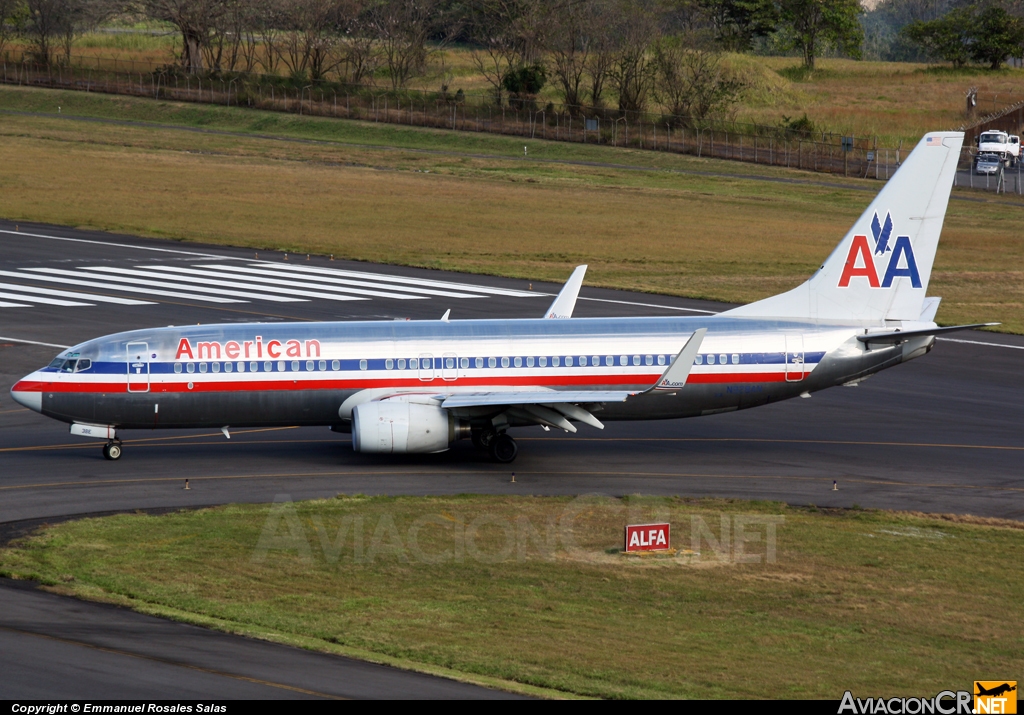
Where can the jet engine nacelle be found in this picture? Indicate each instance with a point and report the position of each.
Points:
(397, 426)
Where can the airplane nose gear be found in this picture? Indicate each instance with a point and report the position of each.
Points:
(504, 449)
(112, 450)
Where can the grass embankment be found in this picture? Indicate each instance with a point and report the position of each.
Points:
(894, 101)
(880, 603)
(468, 202)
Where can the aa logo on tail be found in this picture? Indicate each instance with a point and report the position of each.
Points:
(861, 261)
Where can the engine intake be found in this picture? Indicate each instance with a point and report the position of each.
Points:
(397, 427)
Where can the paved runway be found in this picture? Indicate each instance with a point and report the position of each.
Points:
(942, 433)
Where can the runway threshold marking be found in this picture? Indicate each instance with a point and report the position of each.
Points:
(384, 473)
(165, 661)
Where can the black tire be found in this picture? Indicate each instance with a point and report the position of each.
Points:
(112, 451)
(504, 449)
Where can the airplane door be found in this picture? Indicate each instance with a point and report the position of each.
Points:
(138, 367)
(426, 367)
(794, 358)
(450, 366)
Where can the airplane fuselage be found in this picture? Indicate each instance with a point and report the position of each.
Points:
(307, 374)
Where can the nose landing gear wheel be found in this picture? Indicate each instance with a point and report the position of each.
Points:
(112, 451)
(504, 449)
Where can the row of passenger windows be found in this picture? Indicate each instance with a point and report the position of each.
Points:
(464, 363)
(268, 366)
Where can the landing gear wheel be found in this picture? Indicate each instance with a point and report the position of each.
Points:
(112, 451)
(504, 449)
(483, 439)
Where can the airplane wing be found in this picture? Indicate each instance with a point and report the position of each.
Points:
(565, 301)
(899, 336)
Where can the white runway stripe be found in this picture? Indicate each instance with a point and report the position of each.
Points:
(13, 305)
(72, 294)
(311, 280)
(160, 284)
(399, 279)
(115, 287)
(288, 287)
(41, 300)
(142, 276)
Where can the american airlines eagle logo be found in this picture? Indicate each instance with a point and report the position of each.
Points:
(864, 262)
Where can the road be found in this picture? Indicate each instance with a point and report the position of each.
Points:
(940, 434)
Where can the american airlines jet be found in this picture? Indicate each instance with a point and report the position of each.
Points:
(419, 386)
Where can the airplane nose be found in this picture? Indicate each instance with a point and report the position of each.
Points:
(32, 399)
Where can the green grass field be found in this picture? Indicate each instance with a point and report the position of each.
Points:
(532, 592)
(471, 202)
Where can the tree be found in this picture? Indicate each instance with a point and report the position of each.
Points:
(196, 20)
(946, 37)
(737, 23)
(12, 17)
(402, 28)
(510, 36)
(996, 35)
(632, 69)
(310, 36)
(54, 24)
(812, 26)
(569, 45)
(691, 81)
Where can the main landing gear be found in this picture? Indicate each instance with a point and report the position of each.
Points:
(501, 446)
(112, 449)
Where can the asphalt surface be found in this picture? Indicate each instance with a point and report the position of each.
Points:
(942, 434)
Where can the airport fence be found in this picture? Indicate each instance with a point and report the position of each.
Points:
(780, 146)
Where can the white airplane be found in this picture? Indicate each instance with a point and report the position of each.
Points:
(419, 386)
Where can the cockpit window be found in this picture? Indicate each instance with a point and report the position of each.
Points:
(57, 362)
(69, 366)
(83, 364)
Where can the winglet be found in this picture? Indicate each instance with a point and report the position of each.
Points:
(565, 301)
(446, 314)
(675, 377)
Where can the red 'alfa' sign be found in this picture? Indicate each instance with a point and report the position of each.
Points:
(648, 537)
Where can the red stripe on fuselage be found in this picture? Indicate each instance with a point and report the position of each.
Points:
(365, 383)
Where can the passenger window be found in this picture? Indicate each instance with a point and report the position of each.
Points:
(202, 367)
(623, 360)
(228, 367)
(504, 362)
(401, 364)
(215, 366)
(191, 367)
(583, 360)
(529, 362)
(661, 359)
(268, 366)
(609, 360)
(478, 362)
(322, 365)
(309, 366)
(491, 362)
(253, 367)
(568, 361)
(722, 359)
(281, 366)
(543, 361)
(177, 367)
(241, 367)
(449, 363)
(735, 359)
(711, 359)
(336, 364)
(414, 363)
(389, 364)
(649, 360)
(464, 363)
(636, 359)
(518, 362)
(362, 364)
(555, 361)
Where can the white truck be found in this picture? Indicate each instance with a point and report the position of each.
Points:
(1005, 146)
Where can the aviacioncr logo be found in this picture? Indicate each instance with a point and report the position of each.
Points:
(898, 257)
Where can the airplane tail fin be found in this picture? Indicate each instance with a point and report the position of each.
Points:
(880, 270)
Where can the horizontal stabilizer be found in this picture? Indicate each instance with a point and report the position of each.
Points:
(552, 397)
(899, 336)
(565, 301)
